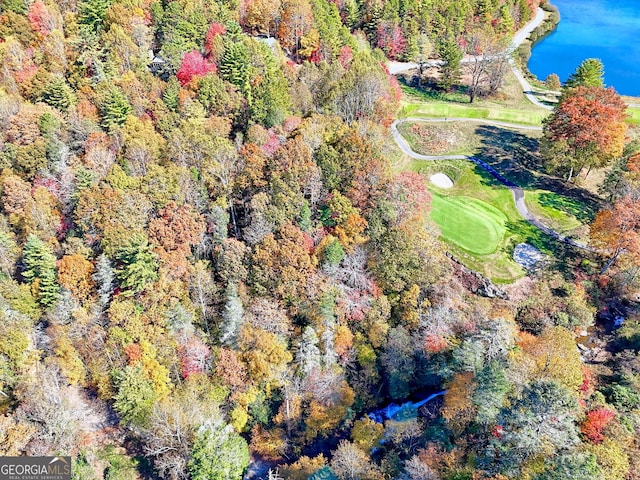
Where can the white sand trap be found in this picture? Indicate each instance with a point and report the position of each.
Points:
(441, 180)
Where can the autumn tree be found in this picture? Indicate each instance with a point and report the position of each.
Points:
(586, 129)
(104, 277)
(552, 82)
(459, 409)
(194, 65)
(262, 15)
(350, 462)
(489, 65)
(265, 355)
(398, 361)
(406, 255)
(595, 422)
(75, 274)
(176, 230)
(616, 231)
(282, 264)
(555, 357)
(391, 39)
(296, 21)
(542, 421)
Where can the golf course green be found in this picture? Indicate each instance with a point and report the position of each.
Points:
(469, 223)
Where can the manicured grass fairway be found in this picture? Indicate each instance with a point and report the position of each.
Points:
(634, 115)
(555, 210)
(471, 224)
(444, 109)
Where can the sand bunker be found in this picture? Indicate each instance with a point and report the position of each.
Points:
(441, 180)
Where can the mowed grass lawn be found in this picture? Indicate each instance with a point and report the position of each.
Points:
(479, 221)
(471, 224)
(563, 214)
(512, 106)
(454, 110)
(633, 115)
(477, 217)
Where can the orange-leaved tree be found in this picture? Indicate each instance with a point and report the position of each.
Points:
(616, 231)
(586, 129)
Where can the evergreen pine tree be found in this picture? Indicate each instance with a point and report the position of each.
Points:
(234, 66)
(135, 396)
(58, 94)
(451, 54)
(91, 13)
(171, 94)
(218, 453)
(590, 73)
(114, 108)
(138, 265)
(40, 270)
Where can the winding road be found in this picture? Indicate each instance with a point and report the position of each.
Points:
(520, 36)
(516, 191)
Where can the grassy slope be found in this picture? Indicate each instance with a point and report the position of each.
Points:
(460, 138)
(513, 107)
(471, 224)
(474, 233)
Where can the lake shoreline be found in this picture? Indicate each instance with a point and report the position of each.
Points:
(547, 27)
(589, 31)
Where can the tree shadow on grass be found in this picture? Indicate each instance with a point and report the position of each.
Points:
(516, 156)
(429, 89)
(512, 153)
(582, 209)
(562, 256)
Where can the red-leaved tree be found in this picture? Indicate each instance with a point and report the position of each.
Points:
(595, 423)
(195, 357)
(194, 65)
(40, 18)
(213, 41)
(391, 39)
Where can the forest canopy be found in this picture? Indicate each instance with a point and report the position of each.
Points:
(207, 261)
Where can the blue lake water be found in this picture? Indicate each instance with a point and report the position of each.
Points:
(604, 29)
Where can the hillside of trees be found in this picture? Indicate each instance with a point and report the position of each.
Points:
(208, 266)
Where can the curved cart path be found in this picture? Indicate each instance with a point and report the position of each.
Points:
(516, 191)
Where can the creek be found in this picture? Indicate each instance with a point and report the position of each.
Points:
(394, 411)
